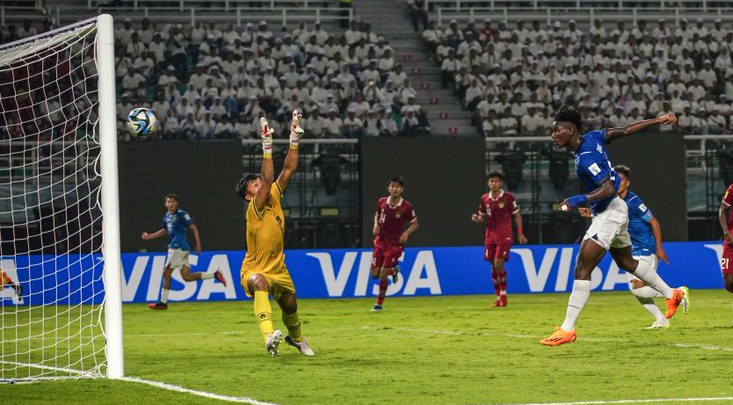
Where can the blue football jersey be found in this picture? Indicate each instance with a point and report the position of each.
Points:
(593, 167)
(177, 224)
(642, 238)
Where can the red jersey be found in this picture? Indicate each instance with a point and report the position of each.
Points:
(728, 200)
(391, 220)
(498, 213)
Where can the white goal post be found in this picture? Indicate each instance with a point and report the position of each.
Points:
(60, 258)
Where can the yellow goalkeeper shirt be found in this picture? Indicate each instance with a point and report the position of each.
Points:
(265, 231)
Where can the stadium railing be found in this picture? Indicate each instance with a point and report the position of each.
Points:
(68, 14)
(579, 4)
(227, 4)
(583, 16)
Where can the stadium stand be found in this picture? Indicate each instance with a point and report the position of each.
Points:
(513, 76)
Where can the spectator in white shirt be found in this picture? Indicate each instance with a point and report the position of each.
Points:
(333, 125)
(133, 83)
(388, 124)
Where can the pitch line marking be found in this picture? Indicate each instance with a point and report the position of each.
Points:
(631, 401)
(176, 388)
(512, 335)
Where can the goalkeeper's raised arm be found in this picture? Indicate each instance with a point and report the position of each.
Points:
(291, 160)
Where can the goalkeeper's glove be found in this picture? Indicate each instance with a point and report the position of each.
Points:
(296, 132)
(266, 134)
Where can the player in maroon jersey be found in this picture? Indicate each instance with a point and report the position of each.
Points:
(726, 222)
(496, 209)
(389, 238)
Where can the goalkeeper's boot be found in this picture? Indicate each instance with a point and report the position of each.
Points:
(303, 346)
(394, 275)
(19, 290)
(273, 343)
(377, 308)
(680, 296)
(503, 301)
(559, 337)
(659, 325)
(219, 276)
(158, 305)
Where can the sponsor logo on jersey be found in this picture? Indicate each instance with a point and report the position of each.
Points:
(594, 169)
(598, 148)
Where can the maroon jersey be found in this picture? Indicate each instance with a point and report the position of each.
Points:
(728, 200)
(391, 220)
(498, 217)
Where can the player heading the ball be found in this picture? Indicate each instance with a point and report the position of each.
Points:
(608, 229)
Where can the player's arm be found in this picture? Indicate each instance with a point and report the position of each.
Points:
(520, 231)
(154, 235)
(479, 216)
(291, 160)
(410, 229)
(723, 215)
(604, 190)
(268, 169)
(621, 132)
(657, 232)
(196, 238)
(376, 229)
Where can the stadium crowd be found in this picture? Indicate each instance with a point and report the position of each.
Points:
(513, 78)
(204, 82)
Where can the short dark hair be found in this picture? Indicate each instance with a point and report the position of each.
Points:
(171, 195)
(241, 188)
(495, 175)
(569, 114)
(397, 179)
(623, 169)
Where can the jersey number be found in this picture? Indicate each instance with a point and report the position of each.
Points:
(724, 263)
(382, 217)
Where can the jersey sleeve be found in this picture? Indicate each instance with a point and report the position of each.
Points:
(186, 218)
(640, 209)
(276, 193)
(728, 197)
(410, 215)
(163, 224)
(513, 206)
(482, 205)
(595, 169)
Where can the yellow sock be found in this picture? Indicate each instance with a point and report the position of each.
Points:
(263, 313)
(292, 322)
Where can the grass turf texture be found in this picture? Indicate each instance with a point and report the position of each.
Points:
(427, 350)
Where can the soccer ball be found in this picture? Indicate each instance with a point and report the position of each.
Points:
(142, 122)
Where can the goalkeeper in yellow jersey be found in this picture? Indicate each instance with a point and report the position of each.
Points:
(263, 269)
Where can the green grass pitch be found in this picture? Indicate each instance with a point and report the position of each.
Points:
(421, 350)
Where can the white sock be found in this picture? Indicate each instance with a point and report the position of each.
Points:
(204, 276)
(503, 292)
(164, 295)
(646, 295)
(646, 273)
(578, 298)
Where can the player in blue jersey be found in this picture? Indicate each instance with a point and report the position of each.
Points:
(176, 222)
(608, 230)
(646, 244)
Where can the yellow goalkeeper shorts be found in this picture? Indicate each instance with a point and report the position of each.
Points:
(279, 282)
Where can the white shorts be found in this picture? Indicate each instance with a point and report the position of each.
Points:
(610, 227)
(652, 260)
(177, 259)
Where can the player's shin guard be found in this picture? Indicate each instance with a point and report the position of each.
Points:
(164, 295)
(382, 291)
(645, 296)
(646, 273)
(578, 298)
(292, 322)
(263, 313)
(497, 284)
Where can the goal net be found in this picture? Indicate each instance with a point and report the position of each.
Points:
(52, 238)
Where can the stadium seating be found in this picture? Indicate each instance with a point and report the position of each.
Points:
(514, 76)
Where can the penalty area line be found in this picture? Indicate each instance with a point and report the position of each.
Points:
(176, 388)
(631, 401)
